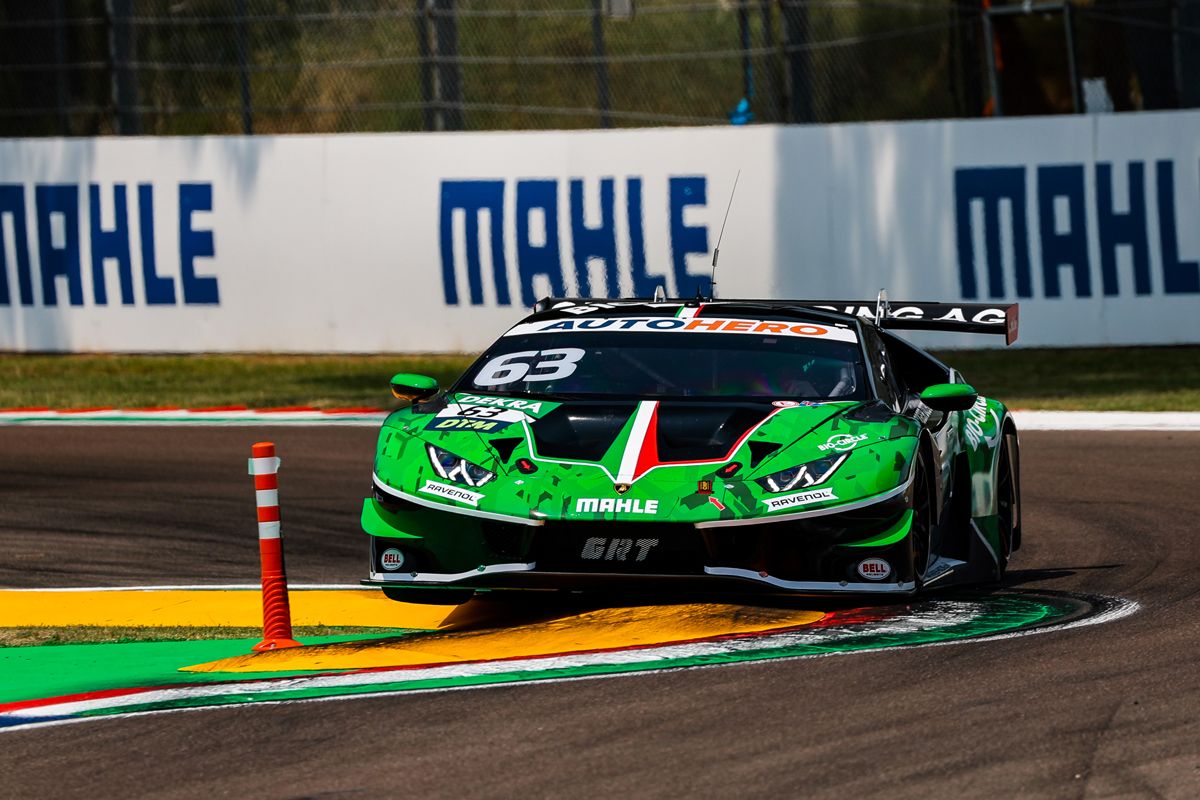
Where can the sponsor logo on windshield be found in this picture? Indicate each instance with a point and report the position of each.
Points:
(695, 325)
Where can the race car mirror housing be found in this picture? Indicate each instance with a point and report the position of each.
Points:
(949, 396)
(413, 388)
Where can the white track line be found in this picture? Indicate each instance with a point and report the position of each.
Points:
(1107, 420)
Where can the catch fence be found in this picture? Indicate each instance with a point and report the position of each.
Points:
(93, 67)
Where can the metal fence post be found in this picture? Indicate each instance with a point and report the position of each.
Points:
(743, 16)
(799, 71)
(775, 100)
(989, 36)
(121, 48)
(1072, 57)
(602, 101)
(449, 81)
(243, 68)
(60, 72)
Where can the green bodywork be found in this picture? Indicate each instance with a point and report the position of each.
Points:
(879, 457)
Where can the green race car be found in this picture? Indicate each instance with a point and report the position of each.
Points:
(746, 445)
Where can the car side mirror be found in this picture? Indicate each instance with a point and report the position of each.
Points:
(949, 396)
(413, 388)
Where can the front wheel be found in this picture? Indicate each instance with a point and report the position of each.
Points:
(923, 500)
(429, 597)
(1008, 504)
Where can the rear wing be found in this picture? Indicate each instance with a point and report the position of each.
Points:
(914, 316)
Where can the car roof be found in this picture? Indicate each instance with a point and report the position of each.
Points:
(567, 308)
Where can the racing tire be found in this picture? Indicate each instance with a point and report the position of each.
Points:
(921, 533)
(1008, 505)
(429, 597)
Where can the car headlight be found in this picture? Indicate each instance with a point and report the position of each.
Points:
(457, 469)
(803, 475)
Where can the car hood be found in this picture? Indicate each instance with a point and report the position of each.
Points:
(682, 460)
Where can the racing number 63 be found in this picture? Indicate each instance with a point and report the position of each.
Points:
(557, 363)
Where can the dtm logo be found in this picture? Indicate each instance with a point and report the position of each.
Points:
(598, 549)
(477, 218)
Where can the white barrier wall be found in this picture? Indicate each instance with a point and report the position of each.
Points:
(437, 242)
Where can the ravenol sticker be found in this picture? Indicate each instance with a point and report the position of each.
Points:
(452, 493)
(694, 325)
(841, 442)
(799, 499)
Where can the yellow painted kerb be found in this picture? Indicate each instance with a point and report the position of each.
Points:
(240, 608)
(600, 629)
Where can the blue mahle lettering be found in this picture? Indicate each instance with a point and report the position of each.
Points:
(538, 259)
(599, 242)
(60, 200)
(160, 289)
(1068, 249)
(12, 208)
(991, 185)
(195, 244)
(643, 284)
(110, 245)
(1179, 277)
(473, 197)
(686, 240)
(1117, 229)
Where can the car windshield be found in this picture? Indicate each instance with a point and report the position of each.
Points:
(673, 364)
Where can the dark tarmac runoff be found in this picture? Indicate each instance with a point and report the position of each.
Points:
(1105, 711)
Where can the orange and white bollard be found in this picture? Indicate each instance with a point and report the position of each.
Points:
(277, 613)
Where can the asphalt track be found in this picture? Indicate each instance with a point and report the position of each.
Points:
(1104, 711)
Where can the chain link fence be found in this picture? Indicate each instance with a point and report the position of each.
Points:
(90, 67)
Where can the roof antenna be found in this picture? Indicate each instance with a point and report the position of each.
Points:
(712, 281)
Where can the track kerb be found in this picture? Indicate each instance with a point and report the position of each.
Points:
(277, 613)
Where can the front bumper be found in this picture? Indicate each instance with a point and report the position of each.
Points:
(818, 554)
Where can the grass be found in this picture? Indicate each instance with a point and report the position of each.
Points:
(258, 381)
(1086, 379)
(1093, 379)
(88, 634)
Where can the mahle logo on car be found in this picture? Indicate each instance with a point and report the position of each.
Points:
(606, 505)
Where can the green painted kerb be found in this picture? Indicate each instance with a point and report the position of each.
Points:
(1000, 614)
